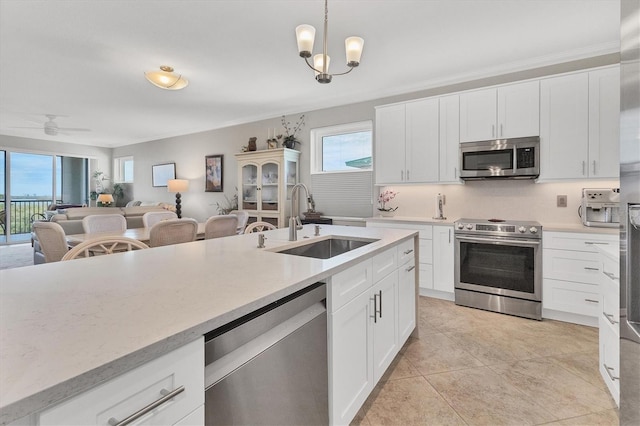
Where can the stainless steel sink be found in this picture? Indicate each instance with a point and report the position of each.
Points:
(328, 248)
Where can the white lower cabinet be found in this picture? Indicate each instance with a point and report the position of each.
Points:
(443, 259)
(572, 270)
(366, 333)
(179, 373)
(609, 325)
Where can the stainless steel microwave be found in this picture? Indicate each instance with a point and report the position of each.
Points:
(517, 158)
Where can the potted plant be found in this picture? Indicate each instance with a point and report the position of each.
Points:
(290, 139)
(383, 199)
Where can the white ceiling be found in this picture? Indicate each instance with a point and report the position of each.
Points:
(84, 60)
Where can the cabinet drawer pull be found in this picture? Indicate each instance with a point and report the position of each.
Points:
(609, 370)
(408, 175)
(408, 251)
(493, 130)
(590, 243)
(375, 308)
(411, 268)
(380, 293)
(591, 300)
(610, 275)
(135, 416)
(588, 268)
(610, 318)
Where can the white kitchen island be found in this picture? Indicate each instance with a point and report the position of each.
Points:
(67, 327)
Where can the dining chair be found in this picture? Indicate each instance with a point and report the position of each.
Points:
(104, 246)
(104, 223)
(220, 226)
(259, 226)
(243, 218)
(52, 240)
(173, 231)
(151, 218)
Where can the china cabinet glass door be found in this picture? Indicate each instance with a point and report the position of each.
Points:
(250, 188)
(269, 196)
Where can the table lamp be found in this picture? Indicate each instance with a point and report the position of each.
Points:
(105, 199)
(177, 186)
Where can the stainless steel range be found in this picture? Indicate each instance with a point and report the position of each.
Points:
(498, 266)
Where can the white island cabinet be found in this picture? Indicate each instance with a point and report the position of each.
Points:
(365, 333)
(111, 351)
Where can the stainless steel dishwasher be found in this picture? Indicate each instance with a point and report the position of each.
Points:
(270, 367)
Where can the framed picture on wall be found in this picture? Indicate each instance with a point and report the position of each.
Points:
(213, 172)
(161, 173)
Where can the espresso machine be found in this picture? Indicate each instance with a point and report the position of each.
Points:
(600, 207)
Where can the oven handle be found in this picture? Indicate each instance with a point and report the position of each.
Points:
(522, 242)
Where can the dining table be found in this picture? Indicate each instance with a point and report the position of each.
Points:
(140, 234)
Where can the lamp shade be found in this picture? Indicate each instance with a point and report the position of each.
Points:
(166, 78)
(353, 47)
(105, 198)
(177, 185)
(305, 36)
(318, 63)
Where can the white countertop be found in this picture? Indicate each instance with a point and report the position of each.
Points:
(557, 227)
(67, 326)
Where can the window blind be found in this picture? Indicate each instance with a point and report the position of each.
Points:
(343, 194)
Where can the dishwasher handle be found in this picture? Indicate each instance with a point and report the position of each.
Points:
(227, 364)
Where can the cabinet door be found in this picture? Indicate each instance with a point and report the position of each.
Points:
(406, 301)
(269, 199)
(604, 123)
(421, 147)
(390, 143)
(385, 323)
(443, 258)
(449, 138)
(350, 358)
(478, 115)
(250, 184)
(564, 119)
(519, 110)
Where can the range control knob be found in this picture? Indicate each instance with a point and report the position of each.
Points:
(461, 226)
(522, 230)
(533, 230)
(469, 226)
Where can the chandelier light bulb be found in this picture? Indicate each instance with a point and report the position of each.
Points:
(305, 36)
(353, 47)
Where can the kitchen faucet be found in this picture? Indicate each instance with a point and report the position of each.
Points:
(294, 220)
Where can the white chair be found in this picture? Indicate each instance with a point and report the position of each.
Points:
(52, 240)
(220, 226)
(243, 218)
(151, 218)
(173, 231)
(259, 226)
(104, 246)
(104, 223)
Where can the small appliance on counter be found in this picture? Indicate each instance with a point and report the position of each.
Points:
(600, 207)
(440, 200)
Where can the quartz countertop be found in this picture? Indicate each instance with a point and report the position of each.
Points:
(67, 326)
(557, 227)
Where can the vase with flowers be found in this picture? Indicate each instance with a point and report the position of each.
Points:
(289, 139)
(384, 198)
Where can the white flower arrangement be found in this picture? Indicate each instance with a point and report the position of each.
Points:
(384, 198)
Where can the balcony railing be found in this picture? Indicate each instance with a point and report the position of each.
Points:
(22, 213)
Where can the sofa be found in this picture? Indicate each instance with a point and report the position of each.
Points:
(71, 220)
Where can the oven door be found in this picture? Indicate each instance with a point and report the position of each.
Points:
(499, 265)
(478, 162)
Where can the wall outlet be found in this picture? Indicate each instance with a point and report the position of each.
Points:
(562, 201)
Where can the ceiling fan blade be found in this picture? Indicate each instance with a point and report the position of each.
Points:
(25, 127)
(73, 129)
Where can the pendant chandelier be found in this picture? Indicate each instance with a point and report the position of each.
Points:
(305, 36)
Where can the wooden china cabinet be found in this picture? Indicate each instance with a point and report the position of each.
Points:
(265, 180)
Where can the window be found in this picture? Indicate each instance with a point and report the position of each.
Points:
(341, 169)
(123, 170)
(342, 148)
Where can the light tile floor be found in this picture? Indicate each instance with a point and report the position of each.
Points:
(472, 367)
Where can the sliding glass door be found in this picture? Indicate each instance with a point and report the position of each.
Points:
(33, 183)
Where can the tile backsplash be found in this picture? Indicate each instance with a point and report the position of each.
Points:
(505, 199)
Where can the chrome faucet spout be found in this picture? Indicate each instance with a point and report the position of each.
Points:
(295, 208)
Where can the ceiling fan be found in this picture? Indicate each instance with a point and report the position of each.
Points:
(51, 128)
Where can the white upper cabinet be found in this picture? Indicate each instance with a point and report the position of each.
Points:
(604, 123)
(579, 125)
(503, 112)
(406, 142)
(449, 138)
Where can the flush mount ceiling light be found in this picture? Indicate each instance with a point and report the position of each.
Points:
(305, 35)
(166, 78)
